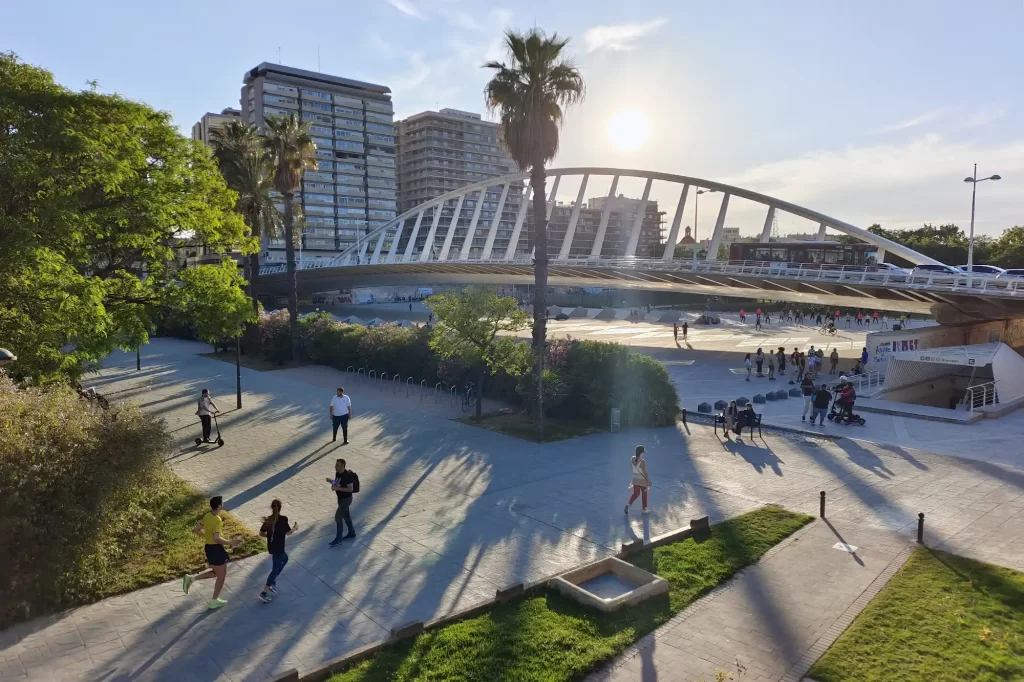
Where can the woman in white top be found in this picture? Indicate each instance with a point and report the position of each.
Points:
(746, 363)
(641, 481)
(732, 412)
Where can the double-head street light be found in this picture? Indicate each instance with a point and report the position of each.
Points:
(974, 180)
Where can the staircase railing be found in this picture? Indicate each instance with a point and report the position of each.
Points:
(979, 396)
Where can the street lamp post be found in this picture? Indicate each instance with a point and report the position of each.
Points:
(696, 203)
(974, 180)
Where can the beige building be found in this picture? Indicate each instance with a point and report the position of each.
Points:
(441, 151)
(204, 128)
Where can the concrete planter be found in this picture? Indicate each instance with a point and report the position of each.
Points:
(644, 585)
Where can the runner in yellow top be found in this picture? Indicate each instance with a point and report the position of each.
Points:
(216, 554)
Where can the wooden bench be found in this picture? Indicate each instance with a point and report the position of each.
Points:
(756, 421)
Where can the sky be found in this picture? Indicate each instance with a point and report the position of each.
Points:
(868, 111)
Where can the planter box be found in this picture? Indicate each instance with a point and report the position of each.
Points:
(609, 584)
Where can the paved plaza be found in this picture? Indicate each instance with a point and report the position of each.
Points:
(448, 513)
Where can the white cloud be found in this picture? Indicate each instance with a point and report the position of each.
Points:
(407, 7)
(619, 37)
(984, 117)
(930, 116)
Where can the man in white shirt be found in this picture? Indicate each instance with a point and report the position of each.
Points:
(341, 410)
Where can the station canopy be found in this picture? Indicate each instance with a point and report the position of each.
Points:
(913, 367)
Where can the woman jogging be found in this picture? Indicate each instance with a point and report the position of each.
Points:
(641, 481)
(275, 529)
(216, 556)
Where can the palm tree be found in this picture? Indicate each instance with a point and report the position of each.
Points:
(249, 171)
(530, 93)
(292, 152)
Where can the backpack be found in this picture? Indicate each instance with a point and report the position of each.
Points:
(355, 481)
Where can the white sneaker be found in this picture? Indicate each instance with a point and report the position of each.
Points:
(646, 511)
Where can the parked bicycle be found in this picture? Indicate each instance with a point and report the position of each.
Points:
(468, 398)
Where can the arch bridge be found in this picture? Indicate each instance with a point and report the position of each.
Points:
(479, 234)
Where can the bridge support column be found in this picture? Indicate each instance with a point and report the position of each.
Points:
(412, 238)
(634, 236)
(429, 244)
(881, 256)
(513, 241)
(489, 244)
(595, 250)
(570, 231)
(673, 233)
(447, 244)
(821, 232)
(716, 237)
(766, 231)
(467, 243)
(553, 195)
(393, 251)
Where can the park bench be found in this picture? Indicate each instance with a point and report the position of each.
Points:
(755, 421)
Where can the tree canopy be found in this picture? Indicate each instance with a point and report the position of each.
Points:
(949, 244)
(97, 195)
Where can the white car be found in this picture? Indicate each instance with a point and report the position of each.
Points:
(990, 270)
(1012, 273)
(926, 269)
(894, 269)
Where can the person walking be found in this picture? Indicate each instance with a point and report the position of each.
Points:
(864, 357)
(341, 411)
(771, 365)
(767, 317)
(885, 320)
(759, 361)
(743, 316)
(275, 529)
(344, 483)
(675, 333)
(822, 397)
(833, 359)
(874, 317)
(781, 357)
(641, 482)
(210, 528)
(819, 364)
(206, 408)
(794, 361)
(757, 323)
(860, 319)
(746, 363)
(812, 362)
(807, 387)
(849, 318)
(686, 328)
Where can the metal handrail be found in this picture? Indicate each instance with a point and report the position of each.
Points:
(980, 395)
(875, 377)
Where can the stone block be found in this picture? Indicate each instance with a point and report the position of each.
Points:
(631, 548)
(721, 404)
(509, 593)
(760, 399)
(795, 392)
(770, 395)
(287, 676)
(410, 629)
(741, 401)
(704, 408)
(781, 395)
(703, 523)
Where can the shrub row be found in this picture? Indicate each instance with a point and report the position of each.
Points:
(582, 379)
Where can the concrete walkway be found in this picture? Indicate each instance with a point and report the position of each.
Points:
(773, 620)
(448, 513)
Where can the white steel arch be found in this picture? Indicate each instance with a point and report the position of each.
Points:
(369, 249)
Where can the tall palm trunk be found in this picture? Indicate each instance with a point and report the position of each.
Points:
(293, 281)
(538, 178)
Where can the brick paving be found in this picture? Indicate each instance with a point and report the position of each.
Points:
(448, 513)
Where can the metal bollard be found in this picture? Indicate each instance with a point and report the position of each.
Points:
(920, 528)
(821, 511)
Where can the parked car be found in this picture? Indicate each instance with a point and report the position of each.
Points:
(990, 270)
(926, 269)
(1012, 273)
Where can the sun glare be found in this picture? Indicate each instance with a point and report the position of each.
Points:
(628, 129)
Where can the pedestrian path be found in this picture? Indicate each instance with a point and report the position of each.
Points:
(448, 513)
(774, 619)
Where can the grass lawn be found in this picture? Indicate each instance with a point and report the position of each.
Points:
(942, 617)
(165, 548)
(520, 425)
(546, 637)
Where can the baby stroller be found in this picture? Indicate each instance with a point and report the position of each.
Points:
(836, 414)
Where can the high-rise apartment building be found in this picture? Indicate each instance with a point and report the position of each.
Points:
(354, 189)
(623, 214)
(441, 151)
(203, 130)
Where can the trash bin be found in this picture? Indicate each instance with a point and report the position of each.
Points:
(615, 419)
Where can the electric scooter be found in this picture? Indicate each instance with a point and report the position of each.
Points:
(219, 441)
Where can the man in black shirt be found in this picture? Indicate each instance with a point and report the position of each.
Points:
(342, 485)
(822, 397)
(807, 387)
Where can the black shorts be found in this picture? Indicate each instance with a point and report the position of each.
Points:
(216, 555)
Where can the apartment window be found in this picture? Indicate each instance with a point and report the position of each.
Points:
(382, 214)
(353, 201)
(320, 130)
(318, 186)
(343, 179)
(382, 203)
(315, 118)
(354, 146)
(344, 166)
(381, 127)
(277, 99)
(344, 210)
(323, 142)
(313, 209)
(351, 101)
(348, 111)
(274, 111)
(351, 221)
(321, 106)
(383, 139)
(354, 190)
(322, 198)
(278, 88)
(351, 134)
(316, 94)
(346, 123)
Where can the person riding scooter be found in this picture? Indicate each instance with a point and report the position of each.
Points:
(847, 398)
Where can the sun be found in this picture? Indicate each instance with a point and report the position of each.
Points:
(628, 129)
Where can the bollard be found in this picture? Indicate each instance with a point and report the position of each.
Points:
(821, 511)
(920, 528)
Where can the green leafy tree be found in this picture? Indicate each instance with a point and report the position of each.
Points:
(249, 170)
(211, 297)
(945, 243)
(1008, 250)
(530, 93)
(96, 194)
(293, 152)
(468, 327)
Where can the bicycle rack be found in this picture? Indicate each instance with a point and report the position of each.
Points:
(359, 372)
(437, 392)
(372, 375)
(394, 384)
(408, 386)
(350, 369)
(383, 378)
(454, 394)
(423, 389)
